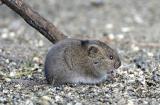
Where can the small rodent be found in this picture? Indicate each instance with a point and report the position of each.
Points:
(80, 61)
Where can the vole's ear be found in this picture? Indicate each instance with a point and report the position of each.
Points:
(93, 50)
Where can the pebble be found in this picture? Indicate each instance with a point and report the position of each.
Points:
(12, 73)
(138, 19)
(120, 36)
(40, 43)
(130, 102)
(46, 98)
(7, 79)
(4, 35)
(28, 102)
(109, 26)
(18, 86)
(11, 34)
(111, 36)
(150, 54)
(58, 98)
(7, 61)
(135, 48)
(1, 50)
(125, 29)
(78, 103)
(36, 59)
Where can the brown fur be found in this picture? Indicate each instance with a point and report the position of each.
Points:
(80, 61)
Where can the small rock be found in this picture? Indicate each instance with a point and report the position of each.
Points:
(125, 29)
(28, 102)
(1, 50)
(18, 86)
(138, 19)
(150, 54)
(7, 61)
(120, 36)
(12, 74)
(134, 47)
(4, 36)
(111, 36)
(36, 59)
(12, 34)
(7, 79)
(57, 98)
(46, 98)
(130, 102)
(78, 103)
(40, 43)
(109, 26)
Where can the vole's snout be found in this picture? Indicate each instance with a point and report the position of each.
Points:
(117, 64)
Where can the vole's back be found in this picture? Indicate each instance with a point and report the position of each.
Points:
(57, 64)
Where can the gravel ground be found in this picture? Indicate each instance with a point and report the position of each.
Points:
(129, 26)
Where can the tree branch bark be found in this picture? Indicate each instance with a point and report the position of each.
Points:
(45, 27)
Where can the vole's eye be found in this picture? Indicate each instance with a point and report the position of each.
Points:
(111, 57)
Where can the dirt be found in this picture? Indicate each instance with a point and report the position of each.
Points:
(129, 26)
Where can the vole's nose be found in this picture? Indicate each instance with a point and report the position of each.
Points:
(117, 64)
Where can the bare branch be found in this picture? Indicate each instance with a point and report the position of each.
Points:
(0, 2)
(151, 45)
(46, 28)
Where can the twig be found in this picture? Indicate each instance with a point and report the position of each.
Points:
(46, 28)
(152, 45)
(0, 2)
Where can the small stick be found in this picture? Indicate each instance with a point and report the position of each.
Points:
(152, 45)
(0, 2)
(45, 27)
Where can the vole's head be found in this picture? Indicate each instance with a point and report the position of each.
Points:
(103, 58)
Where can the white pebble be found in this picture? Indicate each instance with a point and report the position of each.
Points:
(135, 48)
(7, 60)
(0, 50)
(46, 98)
(130, 102)
(78, 103)
(109, 26)
(7, 79)
(125, 29)
(4, 36)
(138, 19)
(150, 54)
(12, 74)
(6, 91)
(11, 34)
(57, 98)
(120, 36)
(29, 102)
(29, 76)
(111, 36)
(18, 86)
(69, 104)
(40, 43)
(40, 70)
(36, 59)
